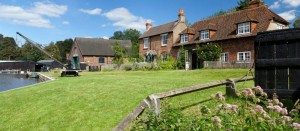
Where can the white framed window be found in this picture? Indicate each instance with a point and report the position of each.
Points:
(244, 56)
(184, 38)
(146, 42)
(164, 40)
(244, 28)
(204, 35)
(225, 57)
(280, 26)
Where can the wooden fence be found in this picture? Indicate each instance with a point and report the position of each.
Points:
(229, 64)
(153, 101)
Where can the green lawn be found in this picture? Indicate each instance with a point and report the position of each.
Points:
(98, 100)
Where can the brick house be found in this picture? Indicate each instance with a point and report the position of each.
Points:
(94, 51)
(234, 32)
(159, 41)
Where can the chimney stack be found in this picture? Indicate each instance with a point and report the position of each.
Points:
(181, 16)
(255, 4)
(148, 25)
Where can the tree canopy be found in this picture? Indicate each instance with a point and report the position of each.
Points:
(297, 23)
(129, 34)
(8, 48)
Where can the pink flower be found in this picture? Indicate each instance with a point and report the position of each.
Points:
(220, 96)
(216, 119)
(287, 118)
(259, 109)
(270, 107)
(260, 119)
(234, 108)
(258, 90)
(276, 101)
(284, 111)
(252, 112)
(280, 104)
(296, 125)
(266, 116)
(277, 109)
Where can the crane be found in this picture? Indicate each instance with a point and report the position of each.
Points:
(35, 44)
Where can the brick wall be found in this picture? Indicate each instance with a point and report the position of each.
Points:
(94, 60)
(155, 43)
(233, 46)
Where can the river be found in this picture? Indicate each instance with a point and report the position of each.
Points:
(11, 81)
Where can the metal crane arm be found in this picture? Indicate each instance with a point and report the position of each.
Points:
(36, 45)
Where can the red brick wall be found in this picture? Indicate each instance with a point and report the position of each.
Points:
(154, 43)
(234, 46)
(94, 60)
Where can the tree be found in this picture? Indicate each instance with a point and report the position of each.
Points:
(297, 23)
(129, 34)
(8, 48)
(209, 52)
(119, 54)
(64, 48)
(31, 53)
(242, 4)
(118, 35)
(53, 50)
(181, 58)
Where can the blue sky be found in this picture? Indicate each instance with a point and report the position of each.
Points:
(54, 20)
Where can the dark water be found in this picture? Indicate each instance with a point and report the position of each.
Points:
(11, 81)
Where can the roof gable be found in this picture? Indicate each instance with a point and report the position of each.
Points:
(225, 25)
(100, 47)
(165, 28)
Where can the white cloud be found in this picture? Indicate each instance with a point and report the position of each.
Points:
(275, 5)
(105, 37)
(125, 19)
(292, 3)
(18, 15)
(288, 15)
(66, 22)
(96, 11)
(49, 9)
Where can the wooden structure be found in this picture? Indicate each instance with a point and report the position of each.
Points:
(277, 62)
(18, 65)
(153, 101)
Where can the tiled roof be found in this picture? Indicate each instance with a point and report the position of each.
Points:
(165, 28)
(225, 25)
(188, 31)
(100, 47)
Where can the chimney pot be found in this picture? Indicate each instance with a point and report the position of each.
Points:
(148, 25)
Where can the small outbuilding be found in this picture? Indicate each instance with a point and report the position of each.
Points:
(49, 64)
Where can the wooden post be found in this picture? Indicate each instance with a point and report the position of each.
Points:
(230, 87)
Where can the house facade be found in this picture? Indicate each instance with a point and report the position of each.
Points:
(234, 32)
(94, 52)
(159, 41)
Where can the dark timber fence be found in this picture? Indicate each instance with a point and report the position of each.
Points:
(277, 62)
(153, 101)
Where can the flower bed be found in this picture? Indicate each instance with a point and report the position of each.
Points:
(250, 110)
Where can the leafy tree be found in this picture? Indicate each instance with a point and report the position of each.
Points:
(118, 35)
(119, 54)
(31, 53)
(53, 50)
(64, 48)
(129, 34)
(242, 4)
(297, 23)
(209, 52)
(181, 58)
(8, 48)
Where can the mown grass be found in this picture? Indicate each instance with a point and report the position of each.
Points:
(98, 100)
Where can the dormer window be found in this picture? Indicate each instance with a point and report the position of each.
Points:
(164, 40)
(244, 28)
(204, 35)
(145, 43)
(184, 38)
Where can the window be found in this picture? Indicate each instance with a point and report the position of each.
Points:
(145, 42)
(75, 50)
(164, 57)
(244, 56)
(280, 26)
(101, 60)
(164, 40)
(244, 28)
(204, 35)
(184, 38)
(225, 57)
